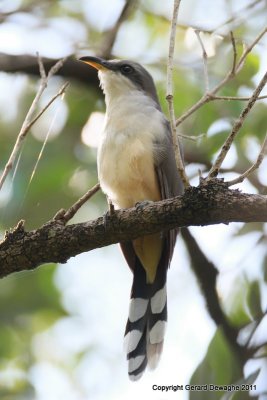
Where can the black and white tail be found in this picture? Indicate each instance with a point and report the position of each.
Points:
(144, 334)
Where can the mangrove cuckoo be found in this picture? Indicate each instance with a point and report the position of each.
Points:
(136, 163)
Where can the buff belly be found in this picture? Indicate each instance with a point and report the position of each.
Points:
(127, 176)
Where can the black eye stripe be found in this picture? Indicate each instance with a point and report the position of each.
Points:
(126, 69)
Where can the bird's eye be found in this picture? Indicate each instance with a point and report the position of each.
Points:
(126, 69)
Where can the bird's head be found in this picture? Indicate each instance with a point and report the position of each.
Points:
(122, 77)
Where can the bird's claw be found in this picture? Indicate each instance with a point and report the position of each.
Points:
(109, 214)
(141, 204)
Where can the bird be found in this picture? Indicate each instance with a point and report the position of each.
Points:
(136, 166)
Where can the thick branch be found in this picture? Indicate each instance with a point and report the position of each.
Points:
(28, 64)
(111, 35)
(55, 242)
(206, 274)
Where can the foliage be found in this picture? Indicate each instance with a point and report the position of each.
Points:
(30, 303)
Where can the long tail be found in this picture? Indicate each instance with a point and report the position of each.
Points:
(144, 333)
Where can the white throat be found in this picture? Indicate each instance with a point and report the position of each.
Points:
(133, 124)
(116, 86)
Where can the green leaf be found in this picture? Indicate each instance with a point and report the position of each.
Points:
(27, 293)
(219, 367)
(235, 305)
(242, 394)
(253, 299)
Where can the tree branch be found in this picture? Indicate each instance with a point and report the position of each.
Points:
(29, 119)
(206, 274)
(240, 14)
(262, 153)
(169, 97)
(110, 36)
(28, 64)
(235, 69)
(205, 61)
(236, 128)
(67, 215)
(56, 242)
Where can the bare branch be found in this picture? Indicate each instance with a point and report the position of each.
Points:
(204, 99)
(169, 97)
(210, 96)
(206, 274)
(234, 52)
(41, 67)
(202, 28)
(253, 331)
(110, 35)
(193, 138)
(241, 98)
(29, 119)
(256, 165)
(58, 94)
(205, 60)
(236, 128)
(55, 68)
(240, 12)
(67, 215)
(248, 49)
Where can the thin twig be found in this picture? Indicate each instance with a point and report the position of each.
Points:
(205, 60)
(240, 13)
(29, 119)
(41, 67)
(169, 96)
(248, 49)
(58, 94)
(236, 128)
(193, 138)
(255, 166)
(255, 327)
(234, 52)
(202, 28)
(236, 98)
(67, 215)
(54, 69)
(209, 96)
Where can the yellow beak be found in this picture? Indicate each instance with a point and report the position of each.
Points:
(95, 62)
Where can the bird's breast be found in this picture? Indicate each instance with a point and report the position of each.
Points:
(125, 157)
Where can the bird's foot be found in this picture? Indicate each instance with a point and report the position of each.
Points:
(141, 204)
(109, 214)
(111, 207)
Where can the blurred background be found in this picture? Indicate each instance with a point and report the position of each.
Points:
(62, 326)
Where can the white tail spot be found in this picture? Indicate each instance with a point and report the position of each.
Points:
(156, 334)
(138, 309)
(135, 363)
(135, 377)
(131, 340)
(158, 301)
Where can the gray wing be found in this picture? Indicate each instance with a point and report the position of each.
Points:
(169, 180)
(164, 160)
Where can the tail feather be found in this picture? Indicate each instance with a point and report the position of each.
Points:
(153, 354)
(144, 333)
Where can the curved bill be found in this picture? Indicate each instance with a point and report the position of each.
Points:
(96, 62)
